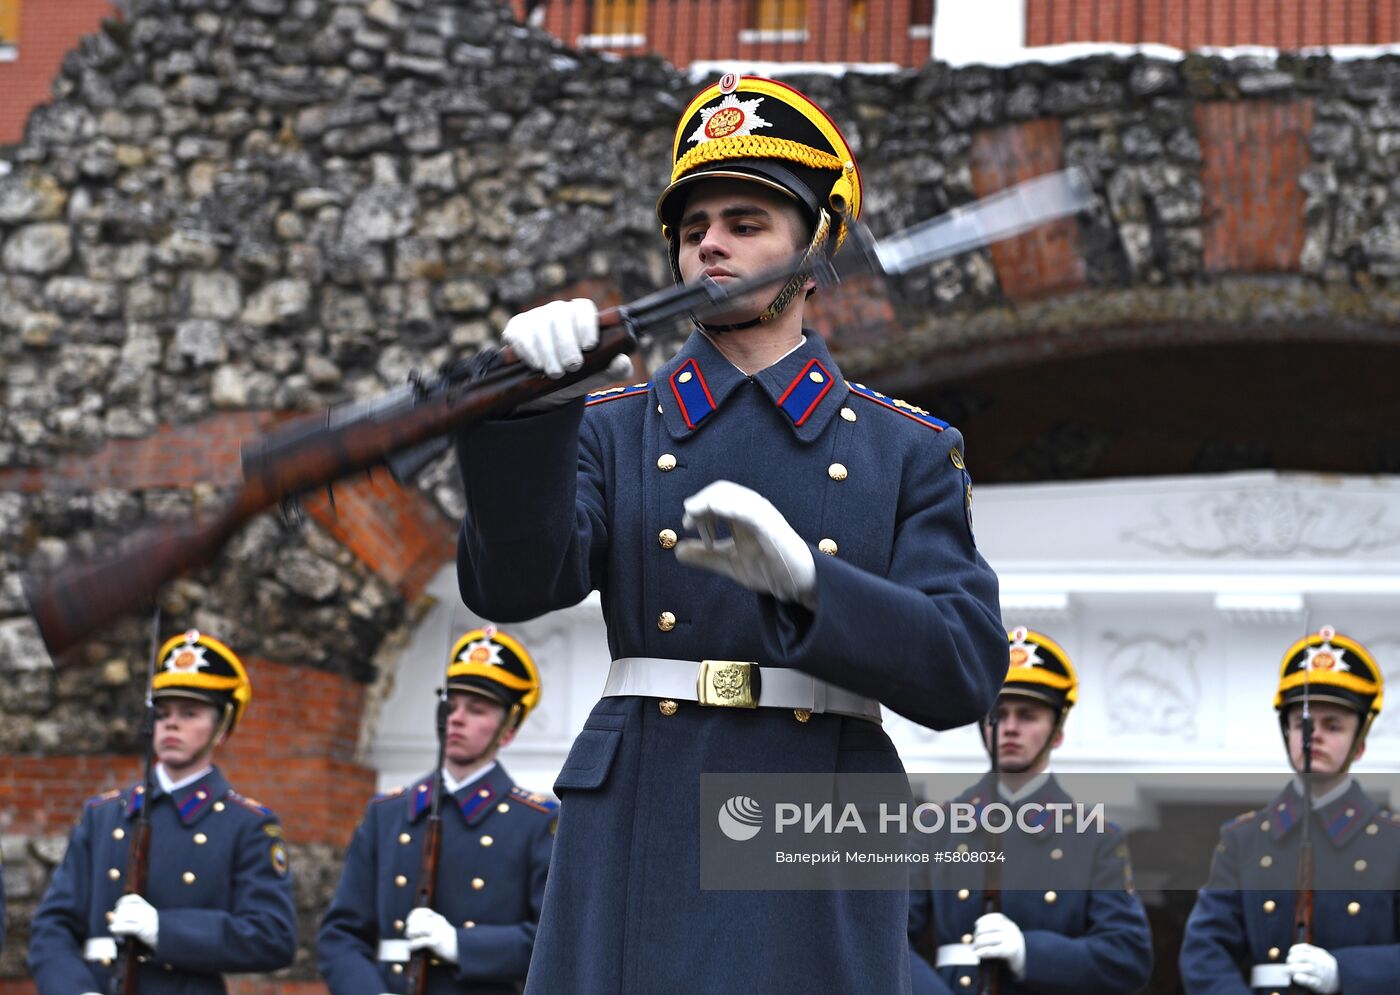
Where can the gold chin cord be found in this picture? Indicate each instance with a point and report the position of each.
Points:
(804, 269)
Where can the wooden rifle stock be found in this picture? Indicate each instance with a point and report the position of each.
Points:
(1303, 896)
(417, 981)
(989, 971)
(306, 455)
(125, 976)
(138, 865)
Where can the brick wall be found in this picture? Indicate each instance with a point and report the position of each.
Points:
(836, 30)
(48, 30)
(1046, 260)
(1189, 24)
(1254, 154)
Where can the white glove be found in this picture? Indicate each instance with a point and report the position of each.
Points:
(552, 338)
(134, 916)
(426, 928)
(1314, 968)
(995, 937)
(764, 553)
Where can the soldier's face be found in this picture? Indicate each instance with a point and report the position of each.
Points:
(1023, 727)
(472, 722)
(1334, 727)
(731, 229)
(184, 734)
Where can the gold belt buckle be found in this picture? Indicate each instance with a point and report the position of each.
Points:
(728, 683)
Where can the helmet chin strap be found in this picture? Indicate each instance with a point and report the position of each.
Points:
(790, 289)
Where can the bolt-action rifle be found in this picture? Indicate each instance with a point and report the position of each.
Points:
(1303, 895)
(408, 427)
(417, 981)
(127, 969)
(989, 971)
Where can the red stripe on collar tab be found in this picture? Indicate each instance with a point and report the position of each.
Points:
(692, 393)
(805, 392)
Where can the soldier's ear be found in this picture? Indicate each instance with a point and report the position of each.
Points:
(506, 737)
(1360, 751)
(1059, 738)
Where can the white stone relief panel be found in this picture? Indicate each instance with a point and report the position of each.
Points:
(1385, 734)
(1268, 522)
(1153, 685)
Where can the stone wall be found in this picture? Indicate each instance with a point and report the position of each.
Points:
(236, 211)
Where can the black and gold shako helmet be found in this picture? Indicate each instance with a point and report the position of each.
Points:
(1040, 669)
(765, 132)
(494, 664)
(1328, 666)
(196, 665)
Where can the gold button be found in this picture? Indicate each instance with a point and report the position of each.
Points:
(963, 894)
(200, 839)
(1372, 829)
(1056, 853)
(398, 925)
(487, 841)
(967, 937)
(1353, 908)
(1350, 812)
(836, 471)
(802, 714)
(118, 833)
(848, 414)
(106, 962)
(187, 877)
(1266, 861)
(503, 807)
(1269, 906)
(422, 788)
(1273, 953)
(1051, 898)
(218, 806)
(665, 462)
(397, 969)
(469, 925)
(111, 916)
(400, 880)
(485, 792)
(478, 884)
(684, 377)
(667, 538)
(1264, 826)
(1360, 865)
(201, 794)
(817, 377)
(1282, 806)
(666, 621)
(113, 873)
(828, 546)
(405, 838)
(667, 706)
(965, 981)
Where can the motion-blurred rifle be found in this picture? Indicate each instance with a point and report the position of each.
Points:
(406, 428)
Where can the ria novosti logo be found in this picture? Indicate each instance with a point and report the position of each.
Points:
(740, 818)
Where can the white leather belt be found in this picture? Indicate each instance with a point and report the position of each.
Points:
(1272, 976)
(395, 951)
(100, 948)
(957, 955)
(733, 684)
